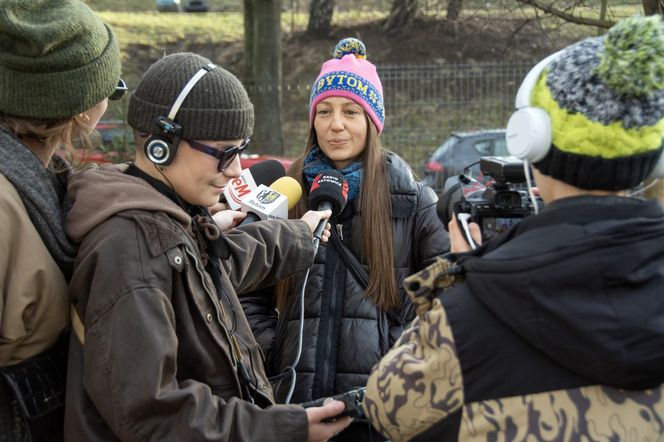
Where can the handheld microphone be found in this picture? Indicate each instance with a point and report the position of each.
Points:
(272, 202)
(329, 191)
(264, 172)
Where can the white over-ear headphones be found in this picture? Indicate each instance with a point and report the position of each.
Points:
(529, 131)
(529, 128)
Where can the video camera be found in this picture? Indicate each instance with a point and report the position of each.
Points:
(496, 204)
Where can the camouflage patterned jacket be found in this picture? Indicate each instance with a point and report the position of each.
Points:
(556, 332)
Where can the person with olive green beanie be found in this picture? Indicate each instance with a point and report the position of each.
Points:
(59, 63)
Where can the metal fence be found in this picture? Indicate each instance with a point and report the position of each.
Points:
(424, 104)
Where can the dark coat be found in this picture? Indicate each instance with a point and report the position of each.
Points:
(157, 362)
(557, 332)
(344, 333)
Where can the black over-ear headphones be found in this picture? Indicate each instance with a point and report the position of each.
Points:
(161, 148)
(529, 128)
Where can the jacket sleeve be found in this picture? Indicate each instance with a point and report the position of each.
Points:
(430, 237)
(418, 382)
(430, 240)
(264, 252)
(130, 355)
(260, 309)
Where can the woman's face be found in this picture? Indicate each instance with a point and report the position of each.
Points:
(195, 176)
(341, 129)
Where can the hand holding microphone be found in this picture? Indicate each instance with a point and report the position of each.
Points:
(237, 189)
(329, 191)
(226, 213)
(272, 202)
(227, 219)
(315, 218)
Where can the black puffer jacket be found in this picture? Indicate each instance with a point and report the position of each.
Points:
(344, 333)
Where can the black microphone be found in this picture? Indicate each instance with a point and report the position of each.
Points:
(329, 191)
(265, 172)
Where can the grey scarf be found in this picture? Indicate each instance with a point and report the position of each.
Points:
(43, 194)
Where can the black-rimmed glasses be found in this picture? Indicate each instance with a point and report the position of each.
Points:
(119, 91)
(225, 156)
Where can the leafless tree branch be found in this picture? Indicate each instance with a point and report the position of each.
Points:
(566, 16)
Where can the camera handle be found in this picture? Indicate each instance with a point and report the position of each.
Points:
(462, 221)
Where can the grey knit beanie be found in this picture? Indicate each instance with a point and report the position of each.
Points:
(57, 58)
(216, 108)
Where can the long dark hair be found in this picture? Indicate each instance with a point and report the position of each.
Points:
(377, 231)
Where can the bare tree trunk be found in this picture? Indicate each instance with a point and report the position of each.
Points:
(652, 7)
(320, 18)
(264, 68)
(403, 11)
(454, 9)
(602, 14)
(248, 37)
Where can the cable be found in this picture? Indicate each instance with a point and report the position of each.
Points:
(463, 219)
(641, 190)
(300, 340)
(529, 183)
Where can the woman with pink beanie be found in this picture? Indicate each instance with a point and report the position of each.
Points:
(355, 307)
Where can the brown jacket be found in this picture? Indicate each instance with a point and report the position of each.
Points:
(33, 300)
(157, 362)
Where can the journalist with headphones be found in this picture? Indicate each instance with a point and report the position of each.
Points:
(162, 349)
(555, 328)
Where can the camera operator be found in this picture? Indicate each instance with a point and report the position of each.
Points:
(554, 329)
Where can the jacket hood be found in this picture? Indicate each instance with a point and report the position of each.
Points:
(99, 193)
(584, 283)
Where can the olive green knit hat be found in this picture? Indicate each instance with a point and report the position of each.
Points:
(216, 108)
(605, 99)
(57, 58)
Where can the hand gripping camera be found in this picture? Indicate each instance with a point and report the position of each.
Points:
(496, 203)
(351, 399)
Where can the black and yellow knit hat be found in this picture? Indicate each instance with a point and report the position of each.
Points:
(57, 58)
(216, 108)
(605, 99)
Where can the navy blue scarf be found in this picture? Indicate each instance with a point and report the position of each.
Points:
(316, 162)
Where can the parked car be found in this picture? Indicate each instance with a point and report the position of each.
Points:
(460, 151)
(196, 5)
(168, 5)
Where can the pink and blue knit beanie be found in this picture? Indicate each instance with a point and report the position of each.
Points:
(350, 75)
